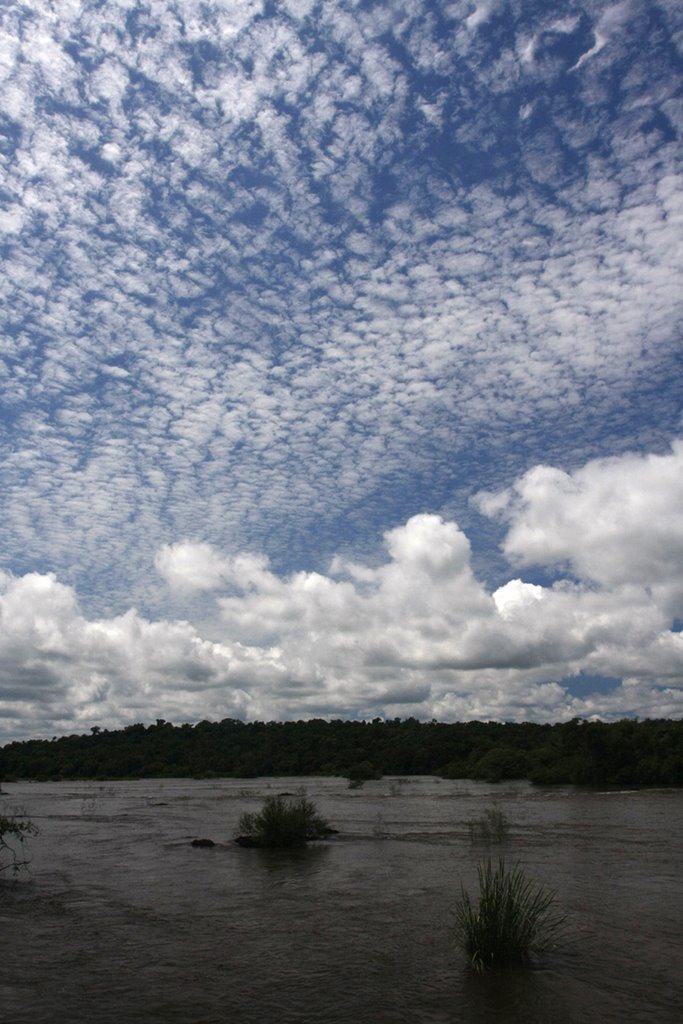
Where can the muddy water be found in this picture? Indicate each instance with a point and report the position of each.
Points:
(122, 920)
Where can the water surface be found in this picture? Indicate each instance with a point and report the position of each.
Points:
(122, 920)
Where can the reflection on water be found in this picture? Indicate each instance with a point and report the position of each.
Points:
(122, 920)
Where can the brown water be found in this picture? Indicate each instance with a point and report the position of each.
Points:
(122, 920)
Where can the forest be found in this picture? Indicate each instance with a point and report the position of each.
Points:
(628, 752)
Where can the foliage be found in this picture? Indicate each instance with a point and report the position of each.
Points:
(511, 919)
(283, 822)
(492, 828)
(623, 753)
(500, 763)
(13, 835)
(362, 771)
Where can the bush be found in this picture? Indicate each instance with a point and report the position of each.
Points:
(492, 827)
(363, 771)
(512, 918)
(13, 835)
(500, 763)
(283, 822)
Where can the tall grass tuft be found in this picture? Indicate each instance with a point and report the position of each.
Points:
(511, 919)
(283, 822)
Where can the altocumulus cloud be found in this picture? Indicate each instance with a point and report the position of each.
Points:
(417, 634)
(280, 278)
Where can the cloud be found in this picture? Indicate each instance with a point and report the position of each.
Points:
(417, 633)
(481, 14)
(190, 566)
(515, 596)
(309, 299)
(281, 277)
(613, 521)
(612, 21)
(61, 671)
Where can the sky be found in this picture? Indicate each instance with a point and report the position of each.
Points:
(340, 361)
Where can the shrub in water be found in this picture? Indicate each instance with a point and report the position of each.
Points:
(511, 919)
(283, 821)
(493, 827)
(13, 835)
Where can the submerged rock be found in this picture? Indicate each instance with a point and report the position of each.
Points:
(203, 842)
(248, 841)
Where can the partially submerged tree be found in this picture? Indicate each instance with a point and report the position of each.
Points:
(13, 836)
(283, 822)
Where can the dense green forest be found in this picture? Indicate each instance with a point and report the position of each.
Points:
(623, 753)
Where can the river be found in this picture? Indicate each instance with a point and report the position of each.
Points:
(122, 921)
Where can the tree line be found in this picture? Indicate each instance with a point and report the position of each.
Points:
(624, 753)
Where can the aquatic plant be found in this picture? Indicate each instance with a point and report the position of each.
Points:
(13, 835)
(492, 828)
(511, 919)
(283, 822)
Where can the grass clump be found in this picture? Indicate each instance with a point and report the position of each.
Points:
(283, 822)
(511, 919)
(492, 828)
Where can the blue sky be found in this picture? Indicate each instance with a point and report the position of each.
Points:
(340, 361)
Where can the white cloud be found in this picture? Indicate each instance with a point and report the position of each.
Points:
(612, 21)
(190, 566)
(516, 596)
(614, 521)
(61, 671)
(416, 634)
(255, 299)
(481, 14)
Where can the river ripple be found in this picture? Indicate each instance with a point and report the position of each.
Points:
(122, 920)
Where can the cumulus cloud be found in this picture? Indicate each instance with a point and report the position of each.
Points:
(63, 672)
(416, 634)
(191, 566)
(614, 521)
(515, 596)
